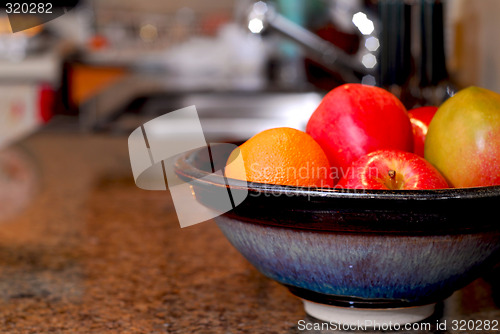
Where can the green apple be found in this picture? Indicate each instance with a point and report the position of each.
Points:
(463, 139)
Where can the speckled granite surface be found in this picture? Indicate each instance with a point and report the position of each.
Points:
(94, 254)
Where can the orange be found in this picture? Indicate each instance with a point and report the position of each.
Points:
(282, 156)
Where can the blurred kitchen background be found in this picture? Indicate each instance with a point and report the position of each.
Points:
(246, 65)
(74, 225)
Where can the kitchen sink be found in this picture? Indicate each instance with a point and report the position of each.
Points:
(225, 115)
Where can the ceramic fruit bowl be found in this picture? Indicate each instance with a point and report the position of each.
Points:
(352, 256)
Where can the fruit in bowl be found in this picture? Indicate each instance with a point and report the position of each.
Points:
(392, 170)
(281, 156)
(463, 140)
(353, 120)
(388, 251)
(420, 119)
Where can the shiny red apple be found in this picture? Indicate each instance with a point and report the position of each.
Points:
(353, 120)
(420, 119)
(393, 170)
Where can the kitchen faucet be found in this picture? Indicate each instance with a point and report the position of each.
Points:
(401, 47)
(263, 16)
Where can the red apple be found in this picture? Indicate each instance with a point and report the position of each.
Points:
(393, 170)
(353, 120)
(420, 119)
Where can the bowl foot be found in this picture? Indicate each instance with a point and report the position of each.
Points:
(368, 317)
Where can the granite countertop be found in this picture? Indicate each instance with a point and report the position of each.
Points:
(92, 253)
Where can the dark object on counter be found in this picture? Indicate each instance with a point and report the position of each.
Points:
(433, 62)
(395, 57)
(421, 76)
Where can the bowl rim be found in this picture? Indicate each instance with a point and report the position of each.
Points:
(185, 169)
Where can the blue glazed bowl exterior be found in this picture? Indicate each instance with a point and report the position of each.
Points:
(397, 268)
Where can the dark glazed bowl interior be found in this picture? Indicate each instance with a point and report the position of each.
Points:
(363, 248)
(447, 211)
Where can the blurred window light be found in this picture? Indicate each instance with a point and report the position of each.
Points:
(148, 33)
(369, 60)
(372, 43)
(260, 8)
(255, 25)
(369, 80)
(364, 24)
